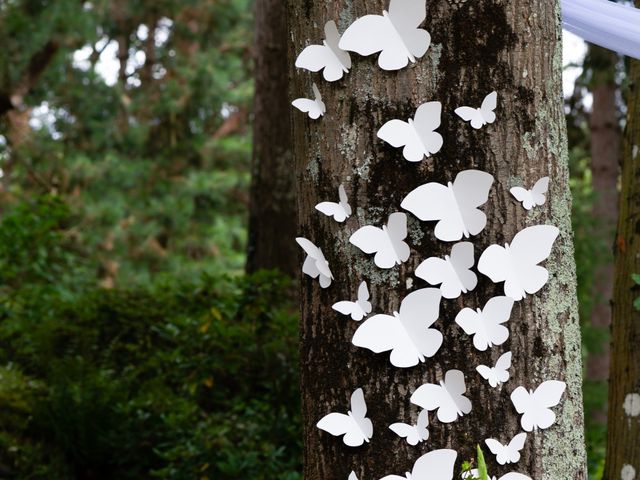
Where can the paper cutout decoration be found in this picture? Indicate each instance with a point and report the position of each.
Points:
(535, 406)
(453, 273)
(455, 206)
(328, 56)
(386, 242)
(355, 426)
(479, 117)
(414, 434)
(474, 473)
(394, 33)
(499, 374)
(435, 465)
(517, 264)
(358, 309)
(509, 453)
(534, 197)
(314, 108)
(315, 265)
(339, 211)
(407, 334)
(417, 135)
(486, 324)
(447, 397)
(352, 476)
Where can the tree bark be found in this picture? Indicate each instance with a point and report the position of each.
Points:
(272, 211)
(623, 446)
(514, 48)
(606, 141)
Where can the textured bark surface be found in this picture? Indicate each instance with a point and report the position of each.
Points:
(272, 213)
(514, 48)
(623, 445)
(606, 142)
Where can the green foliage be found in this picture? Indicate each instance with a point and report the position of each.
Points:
(482, 466)
(197, 380)
(636, 278)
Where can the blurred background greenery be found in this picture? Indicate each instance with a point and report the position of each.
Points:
(133, 344)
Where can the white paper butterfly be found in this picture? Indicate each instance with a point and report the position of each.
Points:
(414, 434)
(355, 426)
(517, 264)
(499, 374)
(417, 135)
(352, 476)
(453, 272)
(386, 242)
(447, 397)
(535, 406)
(395, 34)
(314, 108)
(534, 197)
(435, 465)
(454, 206)
(479, 117)
(328, 56)
(507, 453)
(474, 473)
(315, 265)
(486, 324)
(406, 334)
(358, 309)
(339, 211)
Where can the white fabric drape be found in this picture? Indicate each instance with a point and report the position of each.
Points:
(608, 24)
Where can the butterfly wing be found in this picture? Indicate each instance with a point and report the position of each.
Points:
(433, 201)
(524, 404)
(371, 239)
(547, 395)
(499, 450)
(310, 107)
(539, 190)
(524, 196)
(317, 57)
(368, 35)
(516, 444)
(397, 232)
(455, 387)
(346, 308)
(496, 312)
(437, 271)
(363, 300)
(489, 104)
(502, 367)
(340, 424)
(471, 322)
(359, 413)
(418, 311)
(426, 121)
(408, 432)
(352, 476)
(471, 189)
(400, 134)
(332, 38)
(332, 209)
(495, 263)
(514, 476)
(344, 201)
(488, 374)
(462, 260)
(472, 115)
(530, 247)
(435, 465)
(381, 333)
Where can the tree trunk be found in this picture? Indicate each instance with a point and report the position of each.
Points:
(514, 48)
(605, 160)
(623, 444)
(272, 217)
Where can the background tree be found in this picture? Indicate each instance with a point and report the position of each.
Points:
(273, 203)
(477, 47)
(623, 448)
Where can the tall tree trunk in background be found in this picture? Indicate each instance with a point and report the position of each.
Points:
(606, 141)
(272, 225)
(512, 47)
(623, 444)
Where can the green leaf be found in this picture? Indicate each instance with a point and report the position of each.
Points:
(482, 466)
(636, 278)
